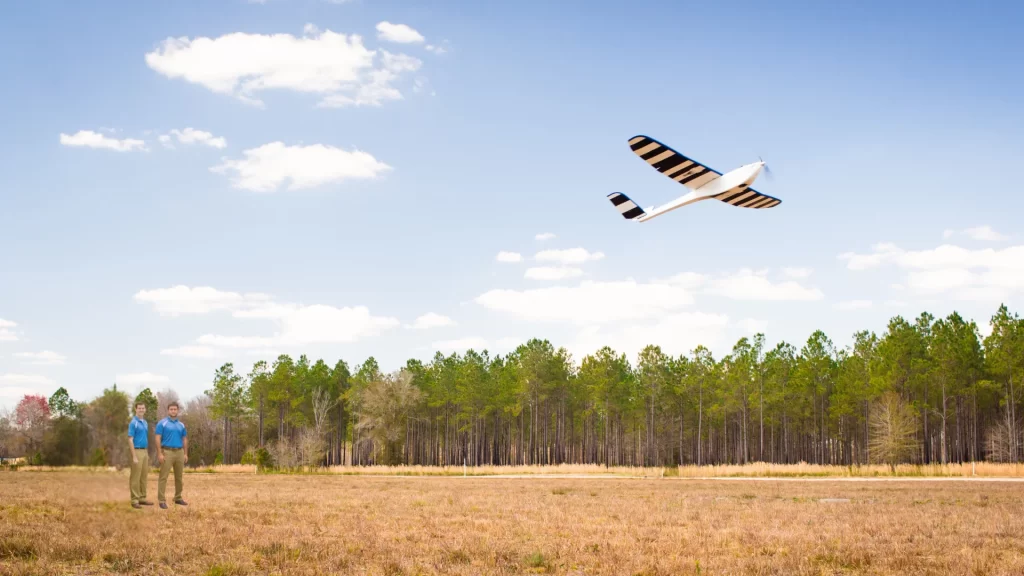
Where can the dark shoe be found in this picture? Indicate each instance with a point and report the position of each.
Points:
(181, 503)
(145, 502)
(136, 505)
(163, 505)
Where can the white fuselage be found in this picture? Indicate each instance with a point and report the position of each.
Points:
(744, 175)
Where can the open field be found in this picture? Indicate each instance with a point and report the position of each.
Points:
(758, 470)
(77, 522)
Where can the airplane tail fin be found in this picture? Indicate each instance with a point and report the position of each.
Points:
(625, 206)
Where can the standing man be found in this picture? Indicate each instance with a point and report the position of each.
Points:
(138, 438)
(172, 451)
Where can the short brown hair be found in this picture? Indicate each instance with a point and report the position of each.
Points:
(139, 403)
(175, 404)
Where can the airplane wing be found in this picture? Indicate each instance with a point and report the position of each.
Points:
(672, 164)
(747, 197)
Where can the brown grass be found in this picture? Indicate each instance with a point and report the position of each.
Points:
(757, 469)
(81, 523)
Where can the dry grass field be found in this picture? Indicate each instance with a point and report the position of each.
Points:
(79, 522)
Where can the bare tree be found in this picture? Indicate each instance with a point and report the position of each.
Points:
(386, 405)
(893, 430)
(999, 442)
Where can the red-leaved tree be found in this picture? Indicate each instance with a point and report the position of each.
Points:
(32, 416)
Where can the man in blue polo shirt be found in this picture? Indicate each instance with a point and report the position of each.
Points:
(138, 439)
(172, 451)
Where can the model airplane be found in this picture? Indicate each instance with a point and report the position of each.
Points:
(704, 182)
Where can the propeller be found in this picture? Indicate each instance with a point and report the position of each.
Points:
(767, 170)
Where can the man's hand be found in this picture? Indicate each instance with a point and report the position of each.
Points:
(160, 456)
(135, 458)
(186, 458)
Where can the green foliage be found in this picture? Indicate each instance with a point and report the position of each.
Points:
(61, 405)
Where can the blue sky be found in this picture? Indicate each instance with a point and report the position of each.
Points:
(449, 132)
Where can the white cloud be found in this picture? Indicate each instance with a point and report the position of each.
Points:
(981, 233)
(14, 386)
(980, 275)
(141, 378)
(235, 341)
(590, 302)
(753, 326)
(568, 256)
(676, 334)
(746, 284)
(193, 136)
(476, 343)
(544, 236)
(432, 320)
(552, 273)
(378, 87)
(854, 305)
(327, 324)
(298, 324)
(797, 272)
(90, 139)
(46, 357)
(181, 300)
(399, 33)
(6, 335)
(504, 256)
(264, 169)
(336, 66)
(461, 345)
(191, 352)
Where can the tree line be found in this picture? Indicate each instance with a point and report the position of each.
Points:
(923, 391)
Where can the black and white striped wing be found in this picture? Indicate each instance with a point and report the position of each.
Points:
(672, 164)
(747, 197)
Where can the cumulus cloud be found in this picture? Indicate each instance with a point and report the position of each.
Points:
(90, 139)
(338, 67)
(431, 320)
(797, 272)
(676, 334)
(399, 33)
(854, 305)
(191, 352)
(183, 300)
(266, 168)
(193, 136)
(589, 303)
(752, 326)
(504, 256)
(141, 378)
(568, 256)
(960, 273)
(46, 358)
(981, 233)
(6, 334)
(15, 386)
(747, 284)
(297, 325)
(552, 273)
(544, 236)
(476, 343)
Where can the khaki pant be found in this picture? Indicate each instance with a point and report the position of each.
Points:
(172, 458)
(140, 472)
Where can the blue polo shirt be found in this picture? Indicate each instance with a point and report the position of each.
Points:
(171, 432)
(138, 431)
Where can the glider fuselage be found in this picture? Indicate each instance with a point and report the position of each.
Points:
(744, 175)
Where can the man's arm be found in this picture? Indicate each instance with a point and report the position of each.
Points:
(131, 443)
(159, 450)
(184, 445)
